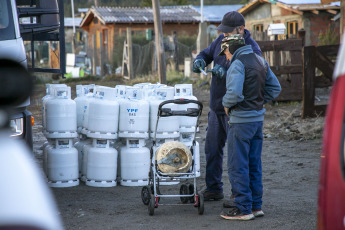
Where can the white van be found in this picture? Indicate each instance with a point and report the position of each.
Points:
(11, 43)
(12, 47)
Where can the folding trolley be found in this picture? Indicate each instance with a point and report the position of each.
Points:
(188, 193)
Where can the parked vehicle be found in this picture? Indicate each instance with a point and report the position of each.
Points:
(39, 21)
(331, 201)
(12, 47)
(25, 199)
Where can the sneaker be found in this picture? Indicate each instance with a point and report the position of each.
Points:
(258, 213)
(236, 214)
(212, 195)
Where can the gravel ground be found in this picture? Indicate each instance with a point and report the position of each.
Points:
(290, 158)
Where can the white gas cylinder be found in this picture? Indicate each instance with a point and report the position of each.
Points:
(196, 158)
(62, 164)
(135, 163)
(85, 151)
(79, 145)
(103, 114)
(168, 127)
(187, 139)
(49, 95)
(134, 115)
(101, 164)
(89, 97)
(81, 101)
(47, 145)
(187, 124)
(61, 115)
(120, 91)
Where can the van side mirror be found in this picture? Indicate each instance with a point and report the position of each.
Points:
(16, 84)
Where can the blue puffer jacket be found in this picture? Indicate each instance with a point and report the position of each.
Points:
(218, 86)
(234, 84)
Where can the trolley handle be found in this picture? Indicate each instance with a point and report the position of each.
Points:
(190, 112)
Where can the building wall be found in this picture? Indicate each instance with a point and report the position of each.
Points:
(315, 24)
(263, 11)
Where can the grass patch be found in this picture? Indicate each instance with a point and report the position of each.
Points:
(86, 78)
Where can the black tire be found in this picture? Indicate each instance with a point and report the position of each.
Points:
(184, 190)
(191, 191)
(151, 206)
(146, 194)
(201, 204)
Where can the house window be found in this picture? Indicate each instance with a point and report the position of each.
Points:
(95, 20)
(292, 28)
(259, 27)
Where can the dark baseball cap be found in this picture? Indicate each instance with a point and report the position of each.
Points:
(230, 21)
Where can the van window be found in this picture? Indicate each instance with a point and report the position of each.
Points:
(7, 31)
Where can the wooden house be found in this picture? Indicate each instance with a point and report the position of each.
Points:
(311, 15)
(105, 24)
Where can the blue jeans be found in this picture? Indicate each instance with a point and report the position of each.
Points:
(244, 164)
(215, 141)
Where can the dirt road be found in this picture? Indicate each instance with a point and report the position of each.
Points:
(291, 152)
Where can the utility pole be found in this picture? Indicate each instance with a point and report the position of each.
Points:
(73, 36)
(159, 42)
(130, 53)
(201, 41)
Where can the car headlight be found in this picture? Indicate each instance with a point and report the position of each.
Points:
(17, 126)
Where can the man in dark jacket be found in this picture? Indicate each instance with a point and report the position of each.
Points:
(232, 23)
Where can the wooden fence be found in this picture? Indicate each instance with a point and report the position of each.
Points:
(285, 60)
(321, 58)
(300, 69)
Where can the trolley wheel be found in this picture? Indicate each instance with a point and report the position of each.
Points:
(191, 191)
(184, 190)
(151, 206)
(146, 194)
(201, 204)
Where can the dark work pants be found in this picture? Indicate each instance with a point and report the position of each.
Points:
(244, 164)
(215, 141)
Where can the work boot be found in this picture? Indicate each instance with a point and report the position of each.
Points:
(212, 195)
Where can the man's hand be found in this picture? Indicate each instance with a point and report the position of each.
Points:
(198, 63)
(226, 111)
(218, 71)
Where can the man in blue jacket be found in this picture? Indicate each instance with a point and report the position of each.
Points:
(250, 84)
(232, 23)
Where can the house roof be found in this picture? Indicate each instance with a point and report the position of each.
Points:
(296, 6)
(182, 14)
(215, 13)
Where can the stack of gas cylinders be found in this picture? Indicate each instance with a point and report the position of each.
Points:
(104, 135)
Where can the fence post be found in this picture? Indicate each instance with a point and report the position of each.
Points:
(308, 94)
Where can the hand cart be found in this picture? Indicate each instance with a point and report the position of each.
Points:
(151, 194)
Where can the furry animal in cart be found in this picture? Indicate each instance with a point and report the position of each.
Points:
(174, 160)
